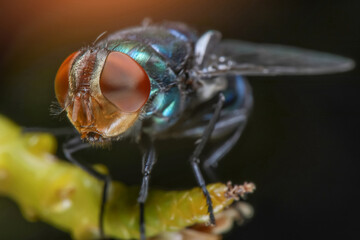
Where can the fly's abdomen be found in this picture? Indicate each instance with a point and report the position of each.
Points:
(238, 94)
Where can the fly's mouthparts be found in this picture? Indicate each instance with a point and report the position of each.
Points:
(92, 136)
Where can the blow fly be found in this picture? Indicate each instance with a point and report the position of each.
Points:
(160, 81)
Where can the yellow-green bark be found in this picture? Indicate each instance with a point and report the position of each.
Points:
(54, 191)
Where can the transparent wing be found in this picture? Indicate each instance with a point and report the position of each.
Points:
(233, 56)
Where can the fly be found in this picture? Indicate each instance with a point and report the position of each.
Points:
(160, 81)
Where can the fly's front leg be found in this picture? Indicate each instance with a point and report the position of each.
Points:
(195, 161)
(148, 162)
(73, 145)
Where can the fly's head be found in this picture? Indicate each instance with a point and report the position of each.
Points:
(103, 92)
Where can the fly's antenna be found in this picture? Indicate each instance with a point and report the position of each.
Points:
(98, 38)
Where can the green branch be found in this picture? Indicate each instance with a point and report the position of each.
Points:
(56, 192)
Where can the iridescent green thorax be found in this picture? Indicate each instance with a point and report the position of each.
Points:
(162, 52)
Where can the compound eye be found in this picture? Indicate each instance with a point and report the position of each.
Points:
(124, 82)
(62, 79)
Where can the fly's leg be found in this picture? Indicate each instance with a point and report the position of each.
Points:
(219, 152)
(148, 162)
(70, 147)
(195, 161)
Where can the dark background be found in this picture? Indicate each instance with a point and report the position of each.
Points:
(301, 146)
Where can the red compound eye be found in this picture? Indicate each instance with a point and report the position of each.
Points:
(62, 79)
(124, 82)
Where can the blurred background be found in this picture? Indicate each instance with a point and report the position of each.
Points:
(301, 146)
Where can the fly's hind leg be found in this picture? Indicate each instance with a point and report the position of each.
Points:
(148, 162)
(70, 147)
(195, 161)
(220, 151)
